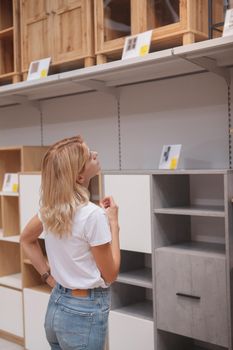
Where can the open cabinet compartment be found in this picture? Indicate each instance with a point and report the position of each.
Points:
(6, 14)
(30, 277)
(135, 269)
(10, 215)
(189, 208)
(10, 270)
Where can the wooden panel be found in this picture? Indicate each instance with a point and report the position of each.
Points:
(10, 215)
(10, 258)
(9, 163)
(132, 194)
(69, 30)
(32, 158)
(6, 56)
(11, 308)
(201, 276)
(6, 14)
(35, 303)
(128, 332)
(35, 42)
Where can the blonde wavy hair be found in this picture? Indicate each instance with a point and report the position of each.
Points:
(61, 194)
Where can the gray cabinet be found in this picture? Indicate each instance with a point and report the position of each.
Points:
(193, 259)
(183, 287)
(191, 296)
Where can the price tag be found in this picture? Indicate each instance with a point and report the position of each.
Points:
(137, 45)
(228, 24)
(39, 69)
(170, 157)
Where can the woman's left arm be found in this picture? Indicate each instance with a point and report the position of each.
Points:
(30, 244)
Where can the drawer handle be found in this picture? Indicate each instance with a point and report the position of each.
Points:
(188, 296)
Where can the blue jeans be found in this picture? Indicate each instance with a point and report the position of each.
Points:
(77, 323)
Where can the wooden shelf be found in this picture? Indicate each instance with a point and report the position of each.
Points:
(155, 66)
(208, 211)
(13, 239)
(6, 33)
(142, 310)
(9, 194)
(141, 278)
(44, 288)
(13, 281)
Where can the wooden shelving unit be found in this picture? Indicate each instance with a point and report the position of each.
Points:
(60, 30)
(173, 23)
(9, 42)
(13, 160)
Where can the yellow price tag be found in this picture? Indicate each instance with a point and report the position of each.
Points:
(173, 164)
(43, 73)
(15, 188)
(144, 50)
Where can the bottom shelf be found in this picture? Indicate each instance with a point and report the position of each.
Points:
(13, 281)
(142, 310)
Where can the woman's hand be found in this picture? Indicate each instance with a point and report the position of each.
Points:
(111, 209)
(51, 281)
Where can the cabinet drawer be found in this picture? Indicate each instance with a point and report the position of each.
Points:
(132, 194)
(191, 295)
(11, 307)
(129, 332)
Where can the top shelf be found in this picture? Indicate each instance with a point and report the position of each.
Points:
(211, 55)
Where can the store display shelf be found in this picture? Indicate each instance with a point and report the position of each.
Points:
(9, 194)
(197, 248)
(214, 55)
(13, 239)
(13, 281)
(142, 310)
(141, 278)
(198, 210)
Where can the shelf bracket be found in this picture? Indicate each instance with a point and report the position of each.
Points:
(210, 65)
(100, 86)
(24, 101)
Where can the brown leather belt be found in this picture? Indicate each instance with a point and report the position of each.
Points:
(79, 292)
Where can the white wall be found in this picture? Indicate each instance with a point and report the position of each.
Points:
(190, 110)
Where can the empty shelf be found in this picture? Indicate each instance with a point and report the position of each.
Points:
(198, 210)
(142, 310)
(142, 277)
(13, 239)
(13, 281)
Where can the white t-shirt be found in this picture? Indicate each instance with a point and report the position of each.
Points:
(70, 259)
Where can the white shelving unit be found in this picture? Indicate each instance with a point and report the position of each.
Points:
(214, 55)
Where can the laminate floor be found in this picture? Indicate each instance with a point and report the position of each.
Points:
(6, 345)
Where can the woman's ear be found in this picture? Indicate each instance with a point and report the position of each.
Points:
(80, 179)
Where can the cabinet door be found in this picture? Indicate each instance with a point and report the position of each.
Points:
(35, 305)
(191, 296)
(132, 194)
(69, 29)
(129, 332)
(36, 36)
(11, 307)
(29, 195)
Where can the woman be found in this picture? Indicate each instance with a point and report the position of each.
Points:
(82, 245)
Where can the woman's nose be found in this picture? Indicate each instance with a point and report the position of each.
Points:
(95, 154)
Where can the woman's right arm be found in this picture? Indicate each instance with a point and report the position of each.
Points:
(107, 256)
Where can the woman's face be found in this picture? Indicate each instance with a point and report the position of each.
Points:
(92, 166)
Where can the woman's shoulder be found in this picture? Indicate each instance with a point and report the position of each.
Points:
(90, 209)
